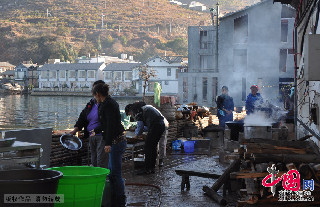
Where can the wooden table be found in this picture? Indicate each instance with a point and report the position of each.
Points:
(21, 152)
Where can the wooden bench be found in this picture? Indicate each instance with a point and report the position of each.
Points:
(185, 174)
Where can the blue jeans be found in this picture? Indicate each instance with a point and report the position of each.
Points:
(115, 166)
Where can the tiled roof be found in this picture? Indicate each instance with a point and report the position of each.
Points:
(121, 66)
(6, 64)
(168, 59)
(72, 66)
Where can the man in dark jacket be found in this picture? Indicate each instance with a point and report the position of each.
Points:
(225, 107)
(155, 123)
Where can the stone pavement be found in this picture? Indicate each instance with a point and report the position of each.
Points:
(163, 188)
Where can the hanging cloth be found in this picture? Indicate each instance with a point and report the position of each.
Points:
(157, 92)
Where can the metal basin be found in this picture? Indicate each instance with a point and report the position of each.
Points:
(262, 132)
(235, 128)
(71, 142)
(7, 142)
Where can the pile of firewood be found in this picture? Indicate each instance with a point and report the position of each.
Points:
(257, 158)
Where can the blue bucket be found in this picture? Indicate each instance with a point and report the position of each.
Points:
(188, 146)
(176, 145)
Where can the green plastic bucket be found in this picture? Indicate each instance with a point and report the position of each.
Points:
(81, 185)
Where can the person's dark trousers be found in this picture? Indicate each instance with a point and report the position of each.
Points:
(151, 143)
(224, 119)
(99, 158)
(118, 198)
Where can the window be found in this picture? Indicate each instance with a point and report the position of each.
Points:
(150, 86)
(166, 82)
(177, 72)
(62, 74)
(203, 45)
(82, 74)
(244, 88)
(284, 30)
(203, 40)
(240, 60)
(204, 89)
(128, 75)
(214, 88)
(203, 62)
(117, 76)
(168, 71)
(91, 74)
(240, 34)
(283, 60)
(107, 75)
(44, 74)
(53, 74)
(72, 74)
(203, 33)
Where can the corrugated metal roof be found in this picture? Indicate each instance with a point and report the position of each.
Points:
(121, 66)
(72, 66)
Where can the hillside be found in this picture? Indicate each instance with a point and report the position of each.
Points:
(65, 29)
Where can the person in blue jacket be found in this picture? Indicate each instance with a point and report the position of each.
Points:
(253, 99)
(225, 107)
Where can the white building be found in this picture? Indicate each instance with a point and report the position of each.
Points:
(119, 76)
(166, 69)
(73, 75)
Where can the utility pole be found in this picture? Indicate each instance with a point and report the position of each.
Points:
(217, 38)
(102, 21)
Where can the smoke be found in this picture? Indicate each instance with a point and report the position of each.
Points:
(257, 61)
(257, 118)
(265, 113)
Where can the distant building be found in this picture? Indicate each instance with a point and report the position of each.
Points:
(8, 74)
(106, 59)
(166, 69)
(26, 74)
(73, 75)
(4, 66)
(119, 76)
(254, 48)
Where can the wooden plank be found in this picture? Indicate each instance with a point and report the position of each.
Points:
(197, 173)
(225, 176)
(267, 148)
(214, 195)
(239, 175)
(285, 158)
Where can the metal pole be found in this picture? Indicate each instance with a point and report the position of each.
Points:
(295, 88)
(217, 38)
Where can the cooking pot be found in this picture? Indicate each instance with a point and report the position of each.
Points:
(258, 131)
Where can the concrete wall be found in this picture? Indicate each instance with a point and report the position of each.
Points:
(307, 91)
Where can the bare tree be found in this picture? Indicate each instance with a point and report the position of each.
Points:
(145, 74)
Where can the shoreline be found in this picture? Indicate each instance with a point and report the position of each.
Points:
(78, 93)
